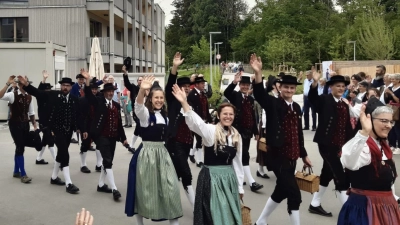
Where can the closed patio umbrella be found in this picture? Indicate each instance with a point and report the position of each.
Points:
(96, 66)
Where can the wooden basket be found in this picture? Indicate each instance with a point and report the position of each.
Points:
(308, 182)
(262, 144)
(246, 217)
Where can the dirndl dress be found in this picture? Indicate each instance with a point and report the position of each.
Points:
(217, 195)
(156, 190)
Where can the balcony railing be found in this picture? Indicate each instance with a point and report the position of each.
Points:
(104, 45)
(97, 0)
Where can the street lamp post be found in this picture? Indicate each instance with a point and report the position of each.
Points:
(211, 33)
(219, 43)
(354, 51)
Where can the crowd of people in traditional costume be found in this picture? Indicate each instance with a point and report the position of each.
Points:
(353, 119)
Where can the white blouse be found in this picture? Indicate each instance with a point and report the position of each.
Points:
(356, 153)
(142, 113)
(207, 132)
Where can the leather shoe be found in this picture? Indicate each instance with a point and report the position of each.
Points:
(72, 189)
(319, 210)
(57, 181)
(191, 157)
(314, 129)
(84, 169)
(25, 179)
(200, 164)
(265, 176)
(116, 194)
(129, 126)
(41, 162)
(255, 187)
(244, 183)
(74, 141)
(92, 148)
(98, 168)
(104, 189)
(306, 128)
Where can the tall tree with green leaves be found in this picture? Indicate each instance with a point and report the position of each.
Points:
(200, 52)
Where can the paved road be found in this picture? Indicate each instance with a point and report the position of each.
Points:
(40, 203)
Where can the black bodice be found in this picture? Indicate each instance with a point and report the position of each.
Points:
(223, 156)
(365, 178)
(154, 132)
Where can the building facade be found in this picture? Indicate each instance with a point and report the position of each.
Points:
(125, 28)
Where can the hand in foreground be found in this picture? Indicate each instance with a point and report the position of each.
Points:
(315, 75)
(85, 135)
(307, 161)
(45, 74)
(237, 78)
(22, 80)
(85, 73)
(365, 121)
(255, 63)
(179, 94)
(84, 218)
(147, 82)
(125, 142)
(11, 79)
(177, 59)
(241, 197)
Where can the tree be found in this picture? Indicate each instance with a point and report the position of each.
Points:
(201, 52)
(375, 39)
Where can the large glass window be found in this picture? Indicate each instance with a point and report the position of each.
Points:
(14, 29)
(95, 29)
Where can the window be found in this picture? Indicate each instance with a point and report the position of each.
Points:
(14, 29)
(118, 35)
(95, 29)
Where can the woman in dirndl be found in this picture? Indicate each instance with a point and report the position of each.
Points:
(220, 182)
(368, 160)
(153, 190)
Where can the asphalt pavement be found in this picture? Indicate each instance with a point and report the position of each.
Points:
(40, 203)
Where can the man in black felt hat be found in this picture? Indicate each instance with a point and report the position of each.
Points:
(285, 142)
(333, 131)
(200, 105)
(244, 122)
(180, 137)
(48, 139)
(63, 118)
(22, 111)
(106, 130)
(87, 114)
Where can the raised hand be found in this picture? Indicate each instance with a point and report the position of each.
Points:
(255, 63)
(147, 82)
(11, 79)
(22, 80)
(85, 73)
(315, 75)
(177, 59)
(45, 74)
(124, 69)
(237, 78)
(365, 121)
(179, 94)
(84, 218)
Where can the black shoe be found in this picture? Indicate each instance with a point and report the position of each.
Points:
(104, 189)
(314, 129)
(125, 125)
(57, 181)
(41, 162)
(72, 189)
(84, 169)
(129, 126)
(200, 164)
(191, 157)
(319, 210)
(306, 128)
(17, 175)
(255, 187)
(98, 168)
(244, 183)
(74, 141)
(265, 176)
(116, 194)
(92, 148)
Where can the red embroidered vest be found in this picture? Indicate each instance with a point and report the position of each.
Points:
(110, 128)
(291, 148)
(20, 107)
(184, 135)
(247, 115)
(339, 133)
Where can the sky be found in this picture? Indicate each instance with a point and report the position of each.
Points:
(167, 8)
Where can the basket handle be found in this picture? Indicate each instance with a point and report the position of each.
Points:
(310, 171)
